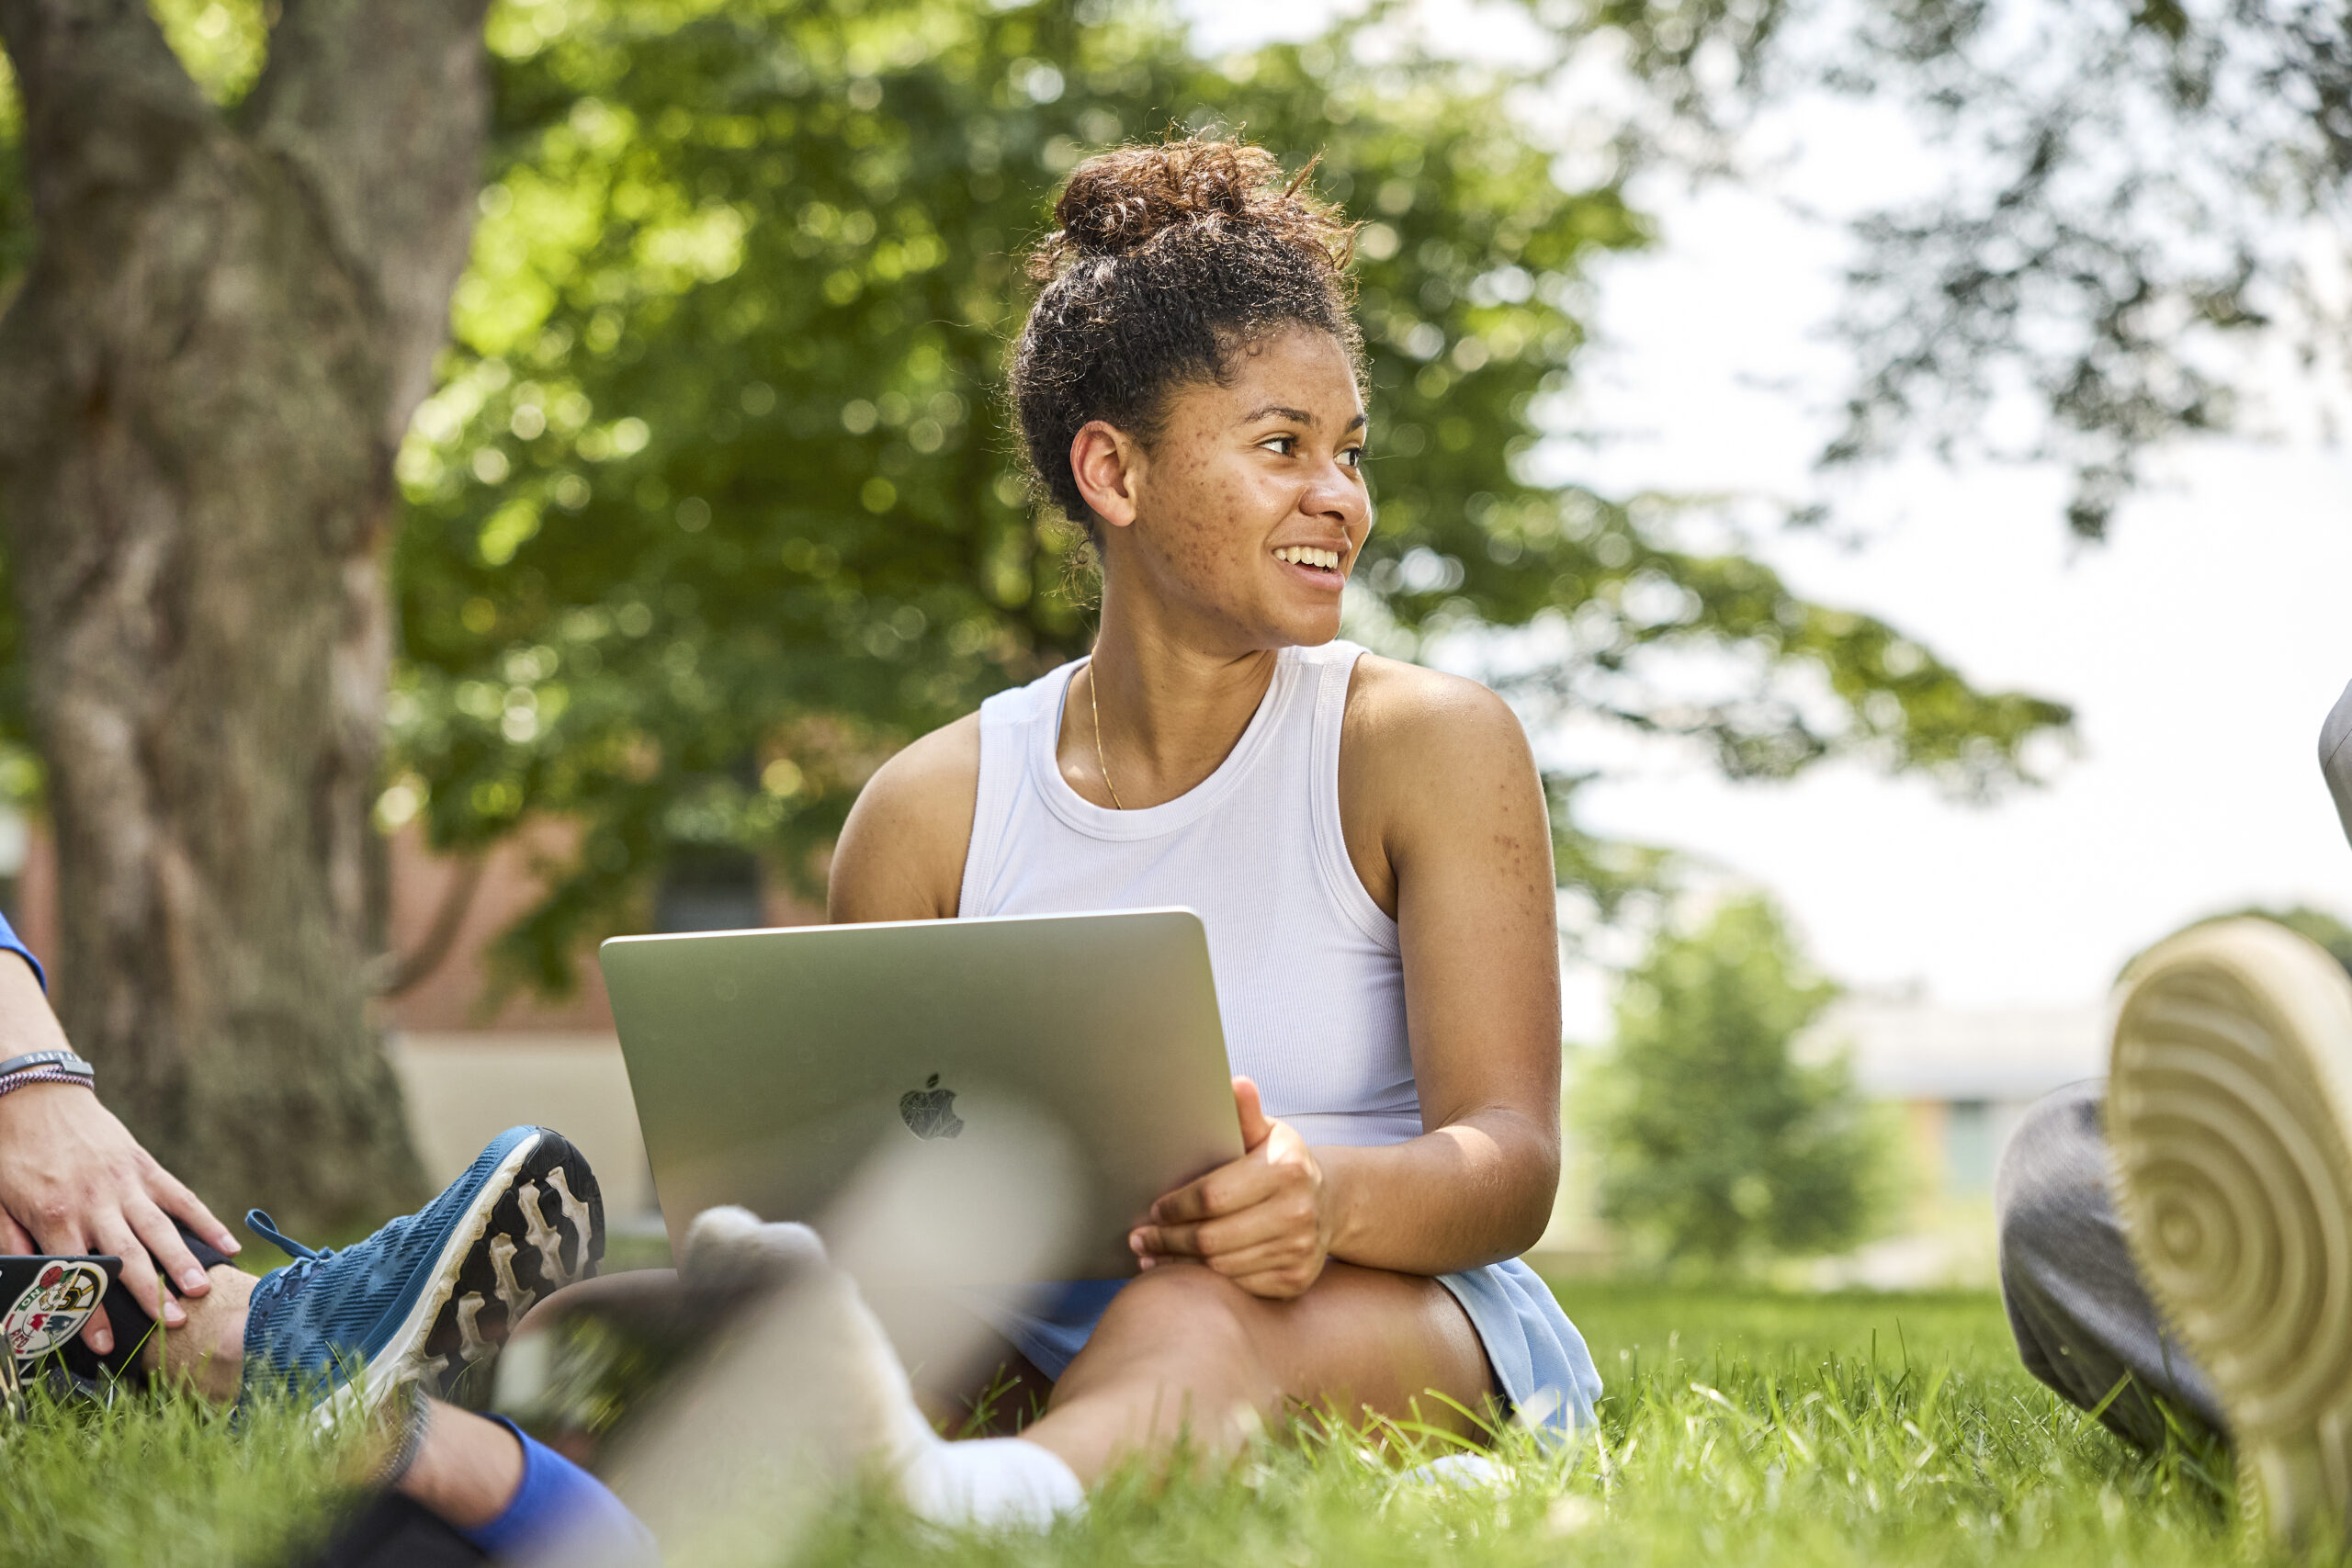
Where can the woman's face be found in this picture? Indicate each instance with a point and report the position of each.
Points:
(1247, 512)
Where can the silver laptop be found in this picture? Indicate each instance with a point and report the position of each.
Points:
(1033, 1081)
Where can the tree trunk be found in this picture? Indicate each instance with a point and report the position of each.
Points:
(225, 328)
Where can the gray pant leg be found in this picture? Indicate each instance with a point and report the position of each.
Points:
(2336, 757)
(2082, 1318)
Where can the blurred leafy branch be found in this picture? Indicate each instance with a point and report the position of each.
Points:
(715, 505)
(2136, 227)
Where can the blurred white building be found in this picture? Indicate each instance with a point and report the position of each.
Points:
(1958, 1080)
(1963, 1076)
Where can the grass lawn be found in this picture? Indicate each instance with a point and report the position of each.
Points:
(1739, 1427)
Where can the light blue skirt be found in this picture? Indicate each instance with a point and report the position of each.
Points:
(1539, 1358)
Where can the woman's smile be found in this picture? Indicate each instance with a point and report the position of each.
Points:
(1317, 565)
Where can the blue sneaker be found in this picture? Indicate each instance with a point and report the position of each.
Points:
(431, 1295)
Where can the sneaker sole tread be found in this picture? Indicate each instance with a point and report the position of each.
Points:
(2229, 1085)
(478, 1289)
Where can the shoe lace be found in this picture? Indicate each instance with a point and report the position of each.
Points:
(308, 1258)
(305, 1258)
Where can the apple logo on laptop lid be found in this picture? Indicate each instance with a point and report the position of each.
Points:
(930, 1111)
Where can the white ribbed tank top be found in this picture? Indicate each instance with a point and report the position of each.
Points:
(1309, 984)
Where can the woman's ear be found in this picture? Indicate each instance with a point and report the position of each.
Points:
(1106, 462)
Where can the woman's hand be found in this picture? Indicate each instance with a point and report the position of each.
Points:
(1264, 1221)
(73, 1179)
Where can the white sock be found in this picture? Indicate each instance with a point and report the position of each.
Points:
(985, 1482)
(990, 1484)
(1463, 1470)
(730, 1245)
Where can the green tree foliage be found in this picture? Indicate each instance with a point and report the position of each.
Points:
(718, 504)
(1718, 1146)
(2143, 213)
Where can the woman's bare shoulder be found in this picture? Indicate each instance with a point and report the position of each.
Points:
(901, 851)
(1422, 751)
(1395, 710)
(1435, 770)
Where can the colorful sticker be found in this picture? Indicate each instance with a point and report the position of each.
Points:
(52, 1308)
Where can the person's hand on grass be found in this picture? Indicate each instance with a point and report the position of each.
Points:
(73, 1179)
(1263, 1220)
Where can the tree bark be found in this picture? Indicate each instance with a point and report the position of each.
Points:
(226, 326)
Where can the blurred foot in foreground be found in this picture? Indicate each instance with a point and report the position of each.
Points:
(2228, 1108)
(729, 1403)
(2177, 1243)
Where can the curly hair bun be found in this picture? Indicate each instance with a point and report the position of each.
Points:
(1117, 202)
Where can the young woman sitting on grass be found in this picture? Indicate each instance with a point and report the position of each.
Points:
(1365, 840)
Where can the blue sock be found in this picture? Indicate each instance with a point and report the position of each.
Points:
(560, 1501)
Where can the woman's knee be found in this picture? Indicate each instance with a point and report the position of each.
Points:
(1179, 1341)
(1183, 1306)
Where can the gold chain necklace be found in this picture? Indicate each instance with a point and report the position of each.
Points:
(1091, 686)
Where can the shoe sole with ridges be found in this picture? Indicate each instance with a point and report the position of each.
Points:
(2228, 1095)
(461, 1318)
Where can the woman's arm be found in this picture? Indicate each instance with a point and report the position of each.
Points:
(1445, 821)
(1467, 839)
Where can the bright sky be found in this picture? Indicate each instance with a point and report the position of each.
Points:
(2200, 649)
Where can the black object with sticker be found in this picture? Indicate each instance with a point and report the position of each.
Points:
(45, 1300)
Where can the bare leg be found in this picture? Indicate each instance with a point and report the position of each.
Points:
(1185, 1353)
(466, 1471)
(208, 1353)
